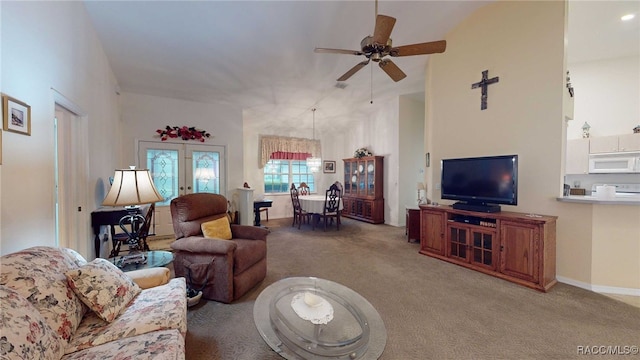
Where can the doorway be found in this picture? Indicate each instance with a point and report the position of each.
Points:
(179, 169)
(70, 173)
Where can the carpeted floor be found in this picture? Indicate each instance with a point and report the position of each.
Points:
(431, 309)
(162, 242)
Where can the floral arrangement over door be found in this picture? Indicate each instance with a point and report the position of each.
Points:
(184, 133)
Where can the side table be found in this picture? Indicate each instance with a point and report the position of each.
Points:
(413, 223)
(156, 258)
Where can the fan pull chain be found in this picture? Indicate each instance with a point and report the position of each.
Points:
(371, 72)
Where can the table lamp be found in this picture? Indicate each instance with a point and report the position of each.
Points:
(419, 187)
(131, 188)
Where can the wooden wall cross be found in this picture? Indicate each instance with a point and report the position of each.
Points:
(484, 83)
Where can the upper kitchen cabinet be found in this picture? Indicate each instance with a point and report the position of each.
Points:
(615, 143)
(629, 142)
(577, 156)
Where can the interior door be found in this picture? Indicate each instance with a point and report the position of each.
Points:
(70, 170)
(179, 169)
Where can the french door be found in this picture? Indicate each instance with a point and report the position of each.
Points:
(179, 169)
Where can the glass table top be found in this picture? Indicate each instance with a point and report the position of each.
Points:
(311, 318)
(148, 259)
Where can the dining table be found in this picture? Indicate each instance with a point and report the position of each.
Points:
(314, 205)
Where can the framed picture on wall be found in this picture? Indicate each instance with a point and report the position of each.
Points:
(328, 166)
(16, 115)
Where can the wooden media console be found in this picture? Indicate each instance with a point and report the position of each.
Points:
(517, 247)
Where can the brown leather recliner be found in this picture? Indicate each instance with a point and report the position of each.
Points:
(227, 269)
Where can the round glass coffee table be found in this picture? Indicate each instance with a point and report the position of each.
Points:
(311, 318)
(143, 260)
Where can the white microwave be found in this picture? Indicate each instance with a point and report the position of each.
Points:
(610, 163)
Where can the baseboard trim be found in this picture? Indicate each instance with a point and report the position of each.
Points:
(600, 288)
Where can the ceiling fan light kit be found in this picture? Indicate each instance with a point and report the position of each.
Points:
(375, 48)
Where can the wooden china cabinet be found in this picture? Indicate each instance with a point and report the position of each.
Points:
(363, 185)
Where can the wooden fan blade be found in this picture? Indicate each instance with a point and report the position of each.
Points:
(419, 49)
(337, 51)
(382, 32)
(353, 70)
(392, 70)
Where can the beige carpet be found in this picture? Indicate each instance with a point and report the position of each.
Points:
(431, 309)
(160, 242)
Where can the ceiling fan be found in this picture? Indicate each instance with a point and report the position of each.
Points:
(379, 45)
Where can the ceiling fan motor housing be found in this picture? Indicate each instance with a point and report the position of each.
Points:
(373, 50)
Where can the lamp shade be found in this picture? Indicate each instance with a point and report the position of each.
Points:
(205, 174)
(132, 187)
(420, 186)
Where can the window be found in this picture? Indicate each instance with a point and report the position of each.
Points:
(279, 174)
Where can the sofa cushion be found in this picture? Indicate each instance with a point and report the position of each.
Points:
(157, 345)
(37, 274)
(218, 229)
(158, 308)
(74, 256)
(24, 333)
(148, 278)
(103, 287)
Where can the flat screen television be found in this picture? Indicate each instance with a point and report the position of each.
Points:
(480, 183)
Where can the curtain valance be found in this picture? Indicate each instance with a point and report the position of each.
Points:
(271, 144)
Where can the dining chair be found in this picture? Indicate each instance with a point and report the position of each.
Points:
(331, 208)
(304, 189)
(299, 215)
(340, 187)
(139, 244)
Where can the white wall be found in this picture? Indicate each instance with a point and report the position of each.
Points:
(606, 96)
(332, 149)
(142, 115)
(411, 153)
(525, 117)
(49, 45)
(524, 114)
(379, 132)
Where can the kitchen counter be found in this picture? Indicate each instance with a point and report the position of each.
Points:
(618, 199)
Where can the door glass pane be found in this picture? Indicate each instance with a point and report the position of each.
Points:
(370, 176)
(206, 170)
(361, 177)
(163, 165)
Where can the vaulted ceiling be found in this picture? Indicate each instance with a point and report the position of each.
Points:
(258, 55)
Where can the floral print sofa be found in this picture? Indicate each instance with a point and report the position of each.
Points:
(56, 305)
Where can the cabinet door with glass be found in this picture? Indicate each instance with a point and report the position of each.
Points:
(348, 182)
(370, 169)
(362, 178)
(179, 169)
(483, 248)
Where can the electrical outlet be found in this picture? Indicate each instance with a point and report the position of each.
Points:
(438, 186)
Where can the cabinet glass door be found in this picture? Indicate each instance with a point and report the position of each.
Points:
(361, 177)
(347, 177)
(370, 177)
(482, 247)
(458, 243)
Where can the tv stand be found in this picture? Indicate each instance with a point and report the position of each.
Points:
(485, 208)
(513, 246)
